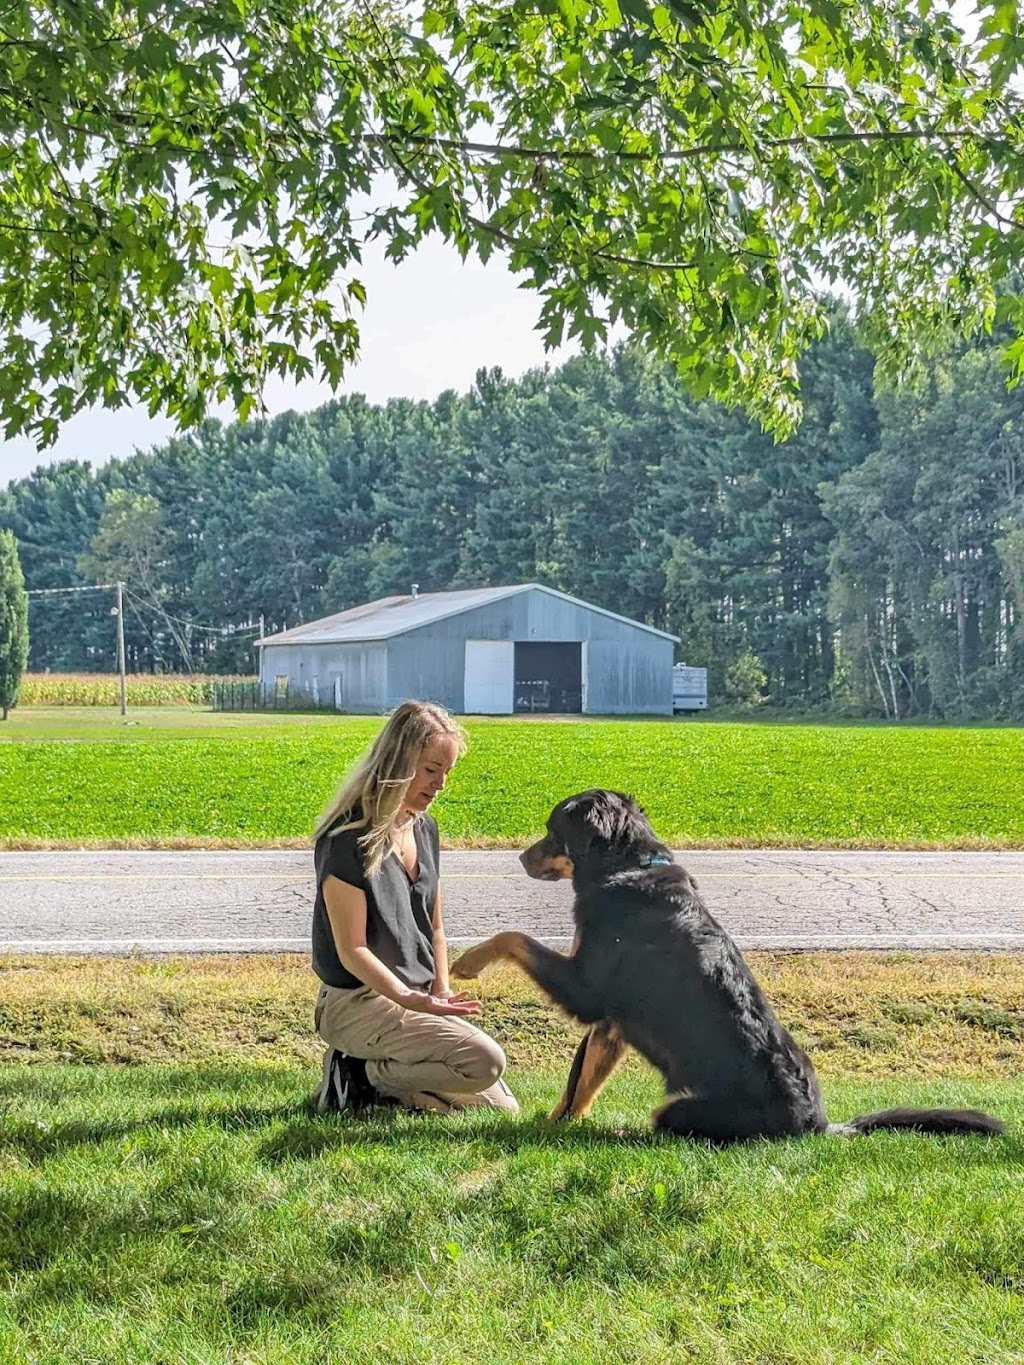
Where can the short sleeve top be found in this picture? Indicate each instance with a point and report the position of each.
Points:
(399, 908)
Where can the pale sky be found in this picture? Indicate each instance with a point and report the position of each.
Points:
(429, 325)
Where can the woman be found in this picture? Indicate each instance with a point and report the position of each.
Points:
(393, 1028)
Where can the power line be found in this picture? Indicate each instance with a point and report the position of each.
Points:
(157, 652)
(52, 592)
(192, 625)
(146, 606)
(117, 611)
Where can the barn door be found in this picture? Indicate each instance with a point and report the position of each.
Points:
(489, 673)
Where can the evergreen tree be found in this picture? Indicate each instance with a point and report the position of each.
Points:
(875, 560)
(53, 514)
(13, 623)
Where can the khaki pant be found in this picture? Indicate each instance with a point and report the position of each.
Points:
(426, 1061)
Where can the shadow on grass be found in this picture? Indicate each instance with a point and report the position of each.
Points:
(307, 1135)
(309, 1139)
(298, 1133)
(312, 1137)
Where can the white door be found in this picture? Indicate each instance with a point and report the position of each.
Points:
(490, 666)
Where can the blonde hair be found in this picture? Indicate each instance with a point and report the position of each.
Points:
(378, 784)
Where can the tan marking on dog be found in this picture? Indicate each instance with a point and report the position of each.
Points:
(507, 945)
(605, 1050)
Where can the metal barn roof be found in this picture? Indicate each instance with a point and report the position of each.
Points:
(390, 616)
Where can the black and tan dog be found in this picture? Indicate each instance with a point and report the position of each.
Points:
(651, 969)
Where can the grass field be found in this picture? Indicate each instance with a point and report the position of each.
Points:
(188, 1209)
(178, 779)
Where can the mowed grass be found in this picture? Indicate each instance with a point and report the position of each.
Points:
(193, 1211)
(186, 1215)
(238, 781)
(35, 723)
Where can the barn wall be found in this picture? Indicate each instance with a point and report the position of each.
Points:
(630, 677)
(362, 666)
(628, 670)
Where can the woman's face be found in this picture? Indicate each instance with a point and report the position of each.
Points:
(437, 759)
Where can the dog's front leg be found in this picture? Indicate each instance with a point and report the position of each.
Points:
(600, 1052)
(555, 973)
(478, 958)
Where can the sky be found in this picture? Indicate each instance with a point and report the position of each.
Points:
(429, 325)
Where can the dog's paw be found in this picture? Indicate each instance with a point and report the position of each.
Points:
(469, 965)
(565, 1113)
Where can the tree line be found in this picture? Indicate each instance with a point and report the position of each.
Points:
(872, 564)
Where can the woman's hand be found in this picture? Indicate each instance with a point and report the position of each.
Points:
(460, 1004)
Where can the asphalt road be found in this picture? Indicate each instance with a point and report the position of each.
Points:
(111, 902)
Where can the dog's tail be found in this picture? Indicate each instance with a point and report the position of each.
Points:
(922, 1121)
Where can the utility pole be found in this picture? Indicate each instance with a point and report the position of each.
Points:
(119, 612)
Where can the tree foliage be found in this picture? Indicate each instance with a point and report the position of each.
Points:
(132, 543)
(13, 623)
(188, 189)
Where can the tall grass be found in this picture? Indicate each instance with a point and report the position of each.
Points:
(895, 1016)
(103, 689)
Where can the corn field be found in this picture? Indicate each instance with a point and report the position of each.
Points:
(103, 689)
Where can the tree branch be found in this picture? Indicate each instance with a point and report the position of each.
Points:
(571, 154)
(980, 198)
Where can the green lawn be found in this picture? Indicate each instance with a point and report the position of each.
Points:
(192, 1215)
(183, 778)
(167, 1198)
(26, 723)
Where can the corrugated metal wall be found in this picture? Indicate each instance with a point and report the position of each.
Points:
(631, 677)
(629, 671)
(363, 668)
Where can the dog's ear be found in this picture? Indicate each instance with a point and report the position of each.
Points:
(610, 818)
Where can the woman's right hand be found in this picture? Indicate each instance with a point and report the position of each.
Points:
(462, 1005)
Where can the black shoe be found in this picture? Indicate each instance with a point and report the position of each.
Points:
(344, 1087)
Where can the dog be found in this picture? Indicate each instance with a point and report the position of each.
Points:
(653, 970)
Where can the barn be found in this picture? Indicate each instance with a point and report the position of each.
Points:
(489, 651)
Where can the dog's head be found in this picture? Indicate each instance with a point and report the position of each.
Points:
(596, 830)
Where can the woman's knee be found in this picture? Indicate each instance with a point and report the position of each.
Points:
(484, 1063)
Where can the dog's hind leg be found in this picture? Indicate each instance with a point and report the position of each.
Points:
(684, 1116)
(722, 1119)
(597, 1056)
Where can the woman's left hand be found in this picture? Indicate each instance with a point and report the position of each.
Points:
(445, 993)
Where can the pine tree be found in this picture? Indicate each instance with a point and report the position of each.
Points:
(13, 623)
